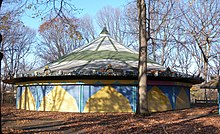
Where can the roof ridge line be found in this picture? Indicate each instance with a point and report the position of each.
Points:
(76, 50)
(100, 43)
(132, 50)
(113, 44)
(88, 44)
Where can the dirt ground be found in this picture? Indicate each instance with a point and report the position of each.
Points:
(189, 121)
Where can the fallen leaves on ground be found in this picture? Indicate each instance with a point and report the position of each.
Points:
(194, 120)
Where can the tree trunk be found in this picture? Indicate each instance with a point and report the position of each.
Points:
(1, 3)
(154, 50)
(205, 55)
(205, 77)
(142, 103)
(163, 55)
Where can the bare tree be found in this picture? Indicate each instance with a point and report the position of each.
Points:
(17, 38)
(142, 104)
(131, 20)
(214, 63)
(54, 8)
(58, 39)
(162, 15)
(87, 28)
(114, 20)
(1, 3)
(16, 46)
(184, 60)
(201, 27)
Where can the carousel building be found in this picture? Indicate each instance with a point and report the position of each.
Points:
(101, 76)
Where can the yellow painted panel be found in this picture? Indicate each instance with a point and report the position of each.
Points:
(59, 100)
(182, 100)
(158, 101)
(107, 100)
(27, 100)
(21, 103)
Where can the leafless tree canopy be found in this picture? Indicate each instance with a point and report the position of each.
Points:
(182, 34)
(17, 40)
(87, 29)
(58, 39)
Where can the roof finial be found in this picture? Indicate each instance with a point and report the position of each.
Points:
(104, 32)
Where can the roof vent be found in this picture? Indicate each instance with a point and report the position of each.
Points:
(104, 32)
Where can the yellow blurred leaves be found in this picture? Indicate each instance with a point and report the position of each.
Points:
(5, 18)
(4, 25)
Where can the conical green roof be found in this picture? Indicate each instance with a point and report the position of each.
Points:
(97, 55)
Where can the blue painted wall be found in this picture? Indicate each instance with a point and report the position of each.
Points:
(82, 93)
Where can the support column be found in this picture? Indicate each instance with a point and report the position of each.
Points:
(20, 97)
(173, 98)
(219, 101)
(134, 94)
(80, 98)
(44, 99)
(25, 98)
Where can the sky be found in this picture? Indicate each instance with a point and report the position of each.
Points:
(89, 7)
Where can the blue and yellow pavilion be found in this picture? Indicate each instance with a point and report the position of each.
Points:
(101, 76)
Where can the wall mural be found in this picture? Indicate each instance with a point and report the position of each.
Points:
(157, 100)
(27, 100)
(182, 99)
(107, 99)
(99, 98)
(59, 100)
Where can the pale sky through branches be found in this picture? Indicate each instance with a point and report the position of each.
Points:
(89, 7)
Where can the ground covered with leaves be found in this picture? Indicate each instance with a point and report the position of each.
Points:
(195, 120)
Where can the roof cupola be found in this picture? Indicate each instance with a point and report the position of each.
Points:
(104, 32)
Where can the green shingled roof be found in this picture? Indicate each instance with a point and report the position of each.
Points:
(98, 54)
(105, 54)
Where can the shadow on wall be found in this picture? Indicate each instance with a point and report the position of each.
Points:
(107, 100)
(27, 100)
(59, 100)
(158, 101)
(182, 100)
